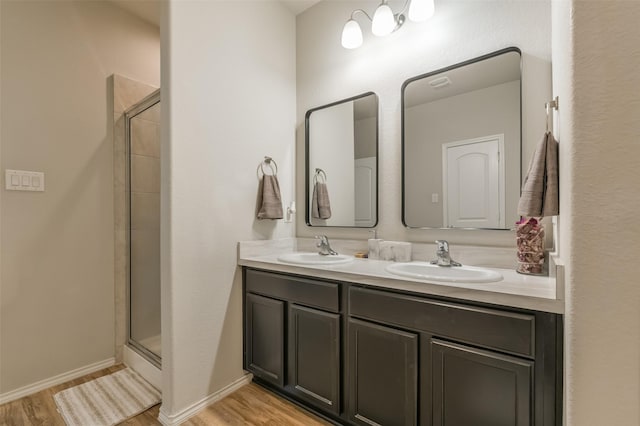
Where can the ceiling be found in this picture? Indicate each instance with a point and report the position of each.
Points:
(149, 10)
(298, 6)
(474, 76)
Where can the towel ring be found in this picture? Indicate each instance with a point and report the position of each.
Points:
(320, 173)
(271, 163)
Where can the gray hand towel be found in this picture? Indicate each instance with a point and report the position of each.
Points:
(551, 204)
(320, 205)
(269, 201)
(540, 188)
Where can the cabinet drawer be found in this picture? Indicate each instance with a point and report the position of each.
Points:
(501, 330)
(304, 291)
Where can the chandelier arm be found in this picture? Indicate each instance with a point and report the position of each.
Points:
(363, 12)
(404, 8)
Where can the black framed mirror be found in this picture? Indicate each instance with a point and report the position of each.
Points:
(341, 163)
(462, 143)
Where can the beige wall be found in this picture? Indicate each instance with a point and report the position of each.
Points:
(326, 72)
(596, 62)
(228, 99)
(56, 289)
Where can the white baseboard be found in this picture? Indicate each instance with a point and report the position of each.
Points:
(55, 380)
(178, 418)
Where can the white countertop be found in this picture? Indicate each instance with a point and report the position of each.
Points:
(515, 290)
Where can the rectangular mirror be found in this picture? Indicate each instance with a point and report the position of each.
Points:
(342, 163)
(461, 144)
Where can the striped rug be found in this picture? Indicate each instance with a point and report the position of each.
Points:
(106, 401)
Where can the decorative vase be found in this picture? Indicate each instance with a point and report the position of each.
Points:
(530, 242)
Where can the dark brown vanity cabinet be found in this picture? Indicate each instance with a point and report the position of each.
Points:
(477, 365)
(293, 337)
(369, 356)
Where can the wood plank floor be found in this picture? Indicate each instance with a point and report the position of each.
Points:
(250, 405)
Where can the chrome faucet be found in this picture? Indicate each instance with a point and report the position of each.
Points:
(444, 258)
(324, 246)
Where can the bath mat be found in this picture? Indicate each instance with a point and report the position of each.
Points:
(107, 400)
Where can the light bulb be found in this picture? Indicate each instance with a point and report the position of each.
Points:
(383, 21)
(421, 10)
(351, 35)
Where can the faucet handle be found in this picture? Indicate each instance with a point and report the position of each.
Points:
(324, 246)
(443, 245)
(323, 240)
(444, 258)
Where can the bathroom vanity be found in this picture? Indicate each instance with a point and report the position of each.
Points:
(361, 345)
(365, 354)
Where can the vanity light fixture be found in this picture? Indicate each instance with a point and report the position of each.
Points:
(384, 21)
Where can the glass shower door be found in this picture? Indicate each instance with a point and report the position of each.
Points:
(143, 134)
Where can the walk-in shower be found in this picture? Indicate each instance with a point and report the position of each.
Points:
(142, 128)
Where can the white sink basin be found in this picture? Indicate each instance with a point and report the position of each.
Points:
(314, 259)
(427, 271)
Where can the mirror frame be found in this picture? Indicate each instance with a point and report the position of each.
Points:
(307, 178)
(402, 129)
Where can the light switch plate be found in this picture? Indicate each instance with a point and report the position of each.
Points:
(23, 180)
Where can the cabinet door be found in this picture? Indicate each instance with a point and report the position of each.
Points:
(265, 338)
(383, 375)
(478, 387)
(314, 357)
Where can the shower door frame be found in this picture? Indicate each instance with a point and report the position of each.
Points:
(143, 105)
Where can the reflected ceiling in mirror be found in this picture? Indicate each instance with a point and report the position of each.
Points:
(461, 144)
(342, 163)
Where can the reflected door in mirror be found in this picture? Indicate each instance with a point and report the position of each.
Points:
(365, 196)
(474, 183)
